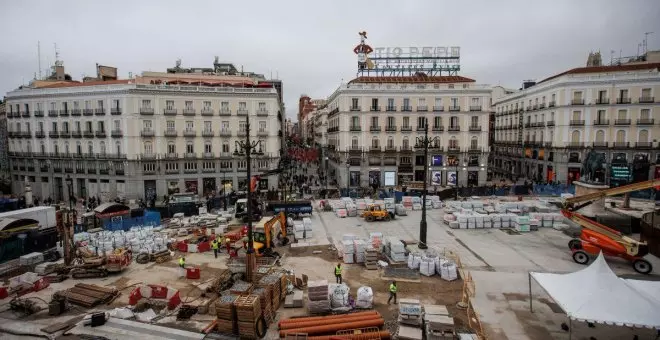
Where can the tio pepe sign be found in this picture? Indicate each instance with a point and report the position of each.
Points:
(416, 52)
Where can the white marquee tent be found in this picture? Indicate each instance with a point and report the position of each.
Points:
(595, 294)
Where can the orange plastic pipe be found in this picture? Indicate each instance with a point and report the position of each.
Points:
(302, 324)
(320, 330)
(384, 335)
(329, 317)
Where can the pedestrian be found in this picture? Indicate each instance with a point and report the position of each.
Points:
(214, 245)
(338, 273)
(228, 244)
(392, 292)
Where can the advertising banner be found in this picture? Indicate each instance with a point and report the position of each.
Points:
(436, 160)
(436, 178)
(374, 179)
(390, 178)
(451, 178)
(191, 186)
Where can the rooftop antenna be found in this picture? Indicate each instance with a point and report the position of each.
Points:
(646, 41)
(39, 57)
(611, 57)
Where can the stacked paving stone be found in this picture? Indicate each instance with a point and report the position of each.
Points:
(225, 311)
(318, 299)
(248, 312)
(438, 324)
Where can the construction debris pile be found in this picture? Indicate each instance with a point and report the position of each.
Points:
(523, 216)
(368, 324)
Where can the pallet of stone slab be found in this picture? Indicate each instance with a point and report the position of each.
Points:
(411, 307)
(224, 307)
(294, 300)
(439, 334)
(241, 288)
(261, 271)
(227, 327)
(371, 265)
(319, 307)
(411, 320)
(409, 333)
(247, 329)
(435, 310)
(439, 323)
(248, 308)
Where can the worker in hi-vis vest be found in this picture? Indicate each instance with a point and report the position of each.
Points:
(215, 245)
(338, 272)
(182, 262)
(392, 292)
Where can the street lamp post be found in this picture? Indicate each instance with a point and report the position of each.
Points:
(348, 179)
(246, 148)
(325, 176)
(424, 143)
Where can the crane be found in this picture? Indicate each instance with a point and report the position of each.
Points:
(596, 237)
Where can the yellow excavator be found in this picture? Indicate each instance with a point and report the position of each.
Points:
(268, 233)
(596, 237)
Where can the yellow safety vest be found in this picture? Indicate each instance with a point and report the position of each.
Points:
(392, 288)
(214, 244)
(337, 270)
(182, 262)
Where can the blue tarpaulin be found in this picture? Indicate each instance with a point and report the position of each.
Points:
(124, 222)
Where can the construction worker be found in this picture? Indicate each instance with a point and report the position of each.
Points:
(338, 273)
(392, 292)
(182, 262)
(228, 244)
(215, 245)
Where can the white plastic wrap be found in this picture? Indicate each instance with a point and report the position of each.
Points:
(427, 267)
(338, 295)
(414, 261)
(448, 271)
(365, 297)
(348, 258)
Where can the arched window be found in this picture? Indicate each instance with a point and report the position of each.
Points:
(643, 136)
(66, 148)
(620, 136)
(474, 143)
(148, 148)
(575, 136)
(171, 148)
(405, 143)
(190, 147)
(43, 147)
(56, 149)
(354, 142)
(374, 143)
(453, 142)
(118, 147)
(600, 136)
(102, 147)
(390, 142)
(208, 148)
(90, 148)
(29, 147)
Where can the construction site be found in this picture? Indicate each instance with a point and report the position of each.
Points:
(487, 268)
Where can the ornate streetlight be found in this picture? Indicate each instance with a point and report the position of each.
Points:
(424, 143)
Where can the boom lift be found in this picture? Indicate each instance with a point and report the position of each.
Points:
(596, 237)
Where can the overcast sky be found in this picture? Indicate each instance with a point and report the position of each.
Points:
(308, 44)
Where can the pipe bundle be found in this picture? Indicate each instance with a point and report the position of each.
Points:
(330, 324)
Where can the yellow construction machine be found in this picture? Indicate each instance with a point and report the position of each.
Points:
(268, 233)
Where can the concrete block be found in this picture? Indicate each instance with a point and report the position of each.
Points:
(409, 333)
(298, 298)
(288, 301)
(436, 310)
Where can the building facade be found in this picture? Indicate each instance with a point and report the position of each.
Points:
(545, 131)
(4, 155)
(145, 137)
(373, 124)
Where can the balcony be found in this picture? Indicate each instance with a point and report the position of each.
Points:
(40, 134)
(620, 145)
(189, 155)
(262, 133)
(390, 128)
(100, 134)
(25, 114)
(88, 134)
(374, 108)
(646, 100)
(262, 113)
(529, 108)
(642, 121)
(76, 134)
(454, 149)
(454, 128)
(474, 149)
(438, 128)
(115, 111)
(170, 112)
(475, 108)
(99, 112)
(577, 102)
(551, 103)
(643, 145)
(104, 172)
(600, 145)
(52, 113)
(622, 122)
(88, 112)
(242, 112)
(436, 147)
(405, 148)
(147, 111)
(475, 128)
(602, 101)
(374, 128)
(454, 108)
(189, 133)
(438, 108)
(208, 133)
(148, 156)
(601, 122)
(406, 128)
(550, 123)
(547, 145)
(355, 128)
(53, 134)
(224, 112)
(576, 123)
(356, 108)
(541, 106)
(208, 155)
(406, 108)
(116, 134)
(421, 128)
(241, 133)
(390, 109)
(355, 148)
(146, 133)
(574, 145)
(225, 133)
(390, 148)
(536, 106)
(374, 148)
(38, 113)
(65, 134)
(189, 111)
(623, 100)
(64, 113)
(170, 155)
(172, 171)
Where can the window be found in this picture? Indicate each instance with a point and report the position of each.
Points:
(454, 102)
(438, 103)
(437, 122)
(644, 114)
(172, 166)
(622, 114)
(374, 121)
(453, 142)
(406, 103)
(170, 125)
(355, 121)
(115, 103)
(207, 105)
(405, 143)
(262, 126)
(149, 167)
(601, 115)
(354, 103)
(646, 93)
(101, 126)
(225, 147)
(66, 148)
(262, 106)
(451, 86)
(242, 105)
(53, 106)
(102, 147)
(190, 125)
(475, 101)
(148, 148)
(146, 103)
(56, 148)
(190, 147)
(65, 127)
(207, 126)
(355, 143)
(421, 122)
(575, 136)
(88, 105)
(374, 103)
(241, 126)
(189, 105)
(189, 166)
(643, 136)
(171, 148)
(224, 106)
(99, 104)
(374, 143)
(42, 146)
(78, 126)
(391, 122)
(169, 105)
(118, 148)
(577, 115)
(208, 165)
(623, 94)
(90, 148)
(421, 102)
(54, 129)
(241, 165)
(146, 125)
(474, 143)
(600, 136)
(41, 126)
(39, 106)
(453, 121)
(552, 116)
(390, 142)
(620, 136)
(390, 103)
(226, 165)
(406, 121)
(224, 126)
(207, 147)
